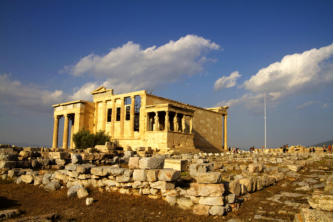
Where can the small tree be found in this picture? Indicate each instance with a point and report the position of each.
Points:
(84, 139)
(101, 138)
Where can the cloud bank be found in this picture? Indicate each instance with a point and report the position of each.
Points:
(130, 67)
(227, 81)
(126, 68)
(27, 96)
(294, 73)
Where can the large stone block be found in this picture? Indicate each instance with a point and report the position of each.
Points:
(27, 178)
(82, 193)
(52, 186)
(249, 183)
(151, 163)
(206, 190)
(162, 185)
(171, 200)
(76, 158)
(84, 168)
(230, 198)
(114, 171)
(196, 168)
(209, 177)
(72, 191)
(134, 162)
(217, 210)
(184, 203)
(152, 175)
(106, 170)
(46, 178)
(212, 201)
(175, 164)
(59, 155)
(71, 167)
(60, 176)
(169, 175)
(200, 209)
(139, 175)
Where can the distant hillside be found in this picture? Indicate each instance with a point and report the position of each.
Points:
(324, 143)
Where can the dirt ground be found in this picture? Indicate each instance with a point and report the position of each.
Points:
(109, 206)
(34, 201)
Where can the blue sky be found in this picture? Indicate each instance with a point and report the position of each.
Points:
(204, 53)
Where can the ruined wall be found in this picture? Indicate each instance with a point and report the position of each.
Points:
(180, 140)
(208, 130)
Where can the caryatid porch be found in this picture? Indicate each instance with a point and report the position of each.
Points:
(171, 124)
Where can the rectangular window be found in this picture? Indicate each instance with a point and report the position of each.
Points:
(127, 113)
(109, 115)
(137, 113)
(127, 100)
(118, 114)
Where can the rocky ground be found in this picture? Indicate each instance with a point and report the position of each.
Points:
(39, 205)
(284, 200)
(242, 187)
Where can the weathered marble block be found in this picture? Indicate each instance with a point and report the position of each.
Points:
(175, 164)
(209, 177)
(151, 163)
(168, 175)
(206, 190)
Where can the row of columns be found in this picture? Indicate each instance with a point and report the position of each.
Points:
(113, 116)
(175, 123)
(65, 132)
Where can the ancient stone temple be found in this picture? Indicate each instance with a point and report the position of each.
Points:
(140, 119)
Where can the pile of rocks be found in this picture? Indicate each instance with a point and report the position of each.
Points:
(208, 184)
(320, 205)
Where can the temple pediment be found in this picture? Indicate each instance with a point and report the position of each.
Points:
(100, 89)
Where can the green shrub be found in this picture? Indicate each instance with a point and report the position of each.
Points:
(101, 138)
(84, 139)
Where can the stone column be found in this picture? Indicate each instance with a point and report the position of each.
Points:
(225, 132)
(191, 125)
(113, 119)
(132, 116)
(71, 137)
(156, 122)
(167, 122)
(55, 132)
(103, 117)
(176, 125)
(122, 118)
(95, 116)
(142, 116)
(79, 118)
(183, 123)
(65, 134)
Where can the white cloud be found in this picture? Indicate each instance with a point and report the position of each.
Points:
(294, 73)
(130, 67)
(227, 81)
(27, 96)
(84, 92)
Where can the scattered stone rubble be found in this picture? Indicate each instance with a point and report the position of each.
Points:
(206, 183)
